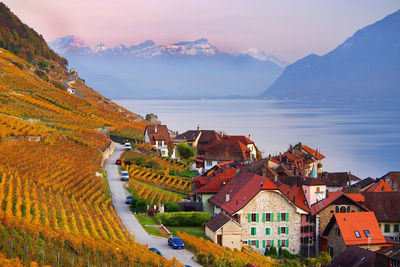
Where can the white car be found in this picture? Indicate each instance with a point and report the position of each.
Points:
(124, 176)
(127, 146)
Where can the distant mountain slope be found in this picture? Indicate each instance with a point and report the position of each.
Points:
(366, 65)
(182, 69)
(22, 40)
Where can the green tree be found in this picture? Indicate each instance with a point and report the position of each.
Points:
(185, 151)
(141, 205)
(171, 207)
(170, 148)
(135, 199)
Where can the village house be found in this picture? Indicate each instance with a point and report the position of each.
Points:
(225, 150)
(247, 142)
(158, 136)
(362, 185)
(224, 230)
(354, 256)
(267, 217)
(392, 179)
(385, 205)
(352, 229)
(336, 181)
(388, 256)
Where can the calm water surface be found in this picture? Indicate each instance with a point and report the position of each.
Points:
(363, 138)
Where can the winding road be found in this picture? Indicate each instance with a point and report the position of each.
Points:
(118, 194)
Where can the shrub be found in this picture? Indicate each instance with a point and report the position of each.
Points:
(171, 207)
(183, 218)
(135, 198)
(185, 151)
(272, 251)
(141, 205)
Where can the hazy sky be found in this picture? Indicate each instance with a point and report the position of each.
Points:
(289, 29)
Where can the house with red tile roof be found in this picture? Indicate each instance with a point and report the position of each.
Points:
(379, 186)
(247, 142)
(158, 136)
(267, 216)
(393, 180)
(359, 229)
(206, 187)
(224, 230)
(314, 190)
(385, 205)
(225, 150)
(336, 181)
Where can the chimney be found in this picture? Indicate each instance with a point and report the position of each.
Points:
(227, 197)
(155, 129)
(249, 137)
(198, 127)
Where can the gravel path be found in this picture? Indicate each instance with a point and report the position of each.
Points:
(118, 194)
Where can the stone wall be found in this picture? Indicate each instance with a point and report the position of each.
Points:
(326, 214)
(336, 242)
(272, 202)
(107, 153)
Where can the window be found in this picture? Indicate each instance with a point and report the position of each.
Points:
(253, 231)
(244, 242)
(253, 217)
(396, 228)
(357, 233)
(283, 243)
(209, 162)
(283, 216)
(366, 233)
(387, 228)
(268, 217)
(318, 189)
(268, 230)
(268, 243)
(283, 230)
(305, 240)
(253, 243)
(342, 209)
(337, 231)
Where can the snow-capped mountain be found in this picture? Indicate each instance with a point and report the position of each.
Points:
(70, 45)
(262, 56)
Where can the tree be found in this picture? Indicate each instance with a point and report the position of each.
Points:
(272, 251)
(170, 148)
(185, 151)
(141, 205)
(135, 198)
(266, 252)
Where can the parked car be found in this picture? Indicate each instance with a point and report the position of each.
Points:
(128, 200)
(156, 251)
(175, 242)
(118, 162)
(127, 146)
(124, 176)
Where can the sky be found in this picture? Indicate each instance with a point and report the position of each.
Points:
(288, 29)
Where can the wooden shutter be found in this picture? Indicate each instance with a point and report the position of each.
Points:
(287, 216)
(263, 243)
(279, 217)
(249, 217)
(264, 217)
(257, 217)
(268, 231)
(272, 217)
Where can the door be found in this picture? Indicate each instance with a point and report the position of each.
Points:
(219, 240)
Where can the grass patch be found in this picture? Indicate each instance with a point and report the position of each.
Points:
(147, 220)
(197, 231)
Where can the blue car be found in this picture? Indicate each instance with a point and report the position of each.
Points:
(128, 200)
(156, 251)
(175, 242)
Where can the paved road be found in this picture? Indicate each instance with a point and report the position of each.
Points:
(119, 194)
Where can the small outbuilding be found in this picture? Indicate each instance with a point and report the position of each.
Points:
(224, 230)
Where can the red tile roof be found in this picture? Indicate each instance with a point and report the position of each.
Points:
(357, 197)
(227, 150)
(188, 136)
(296, 195)
(380, 186)
(157, 133)
(322, 204)
(215, 183)
(269, 185)
(313, 181)
(313, 152)
(241, 190)
(350, 222)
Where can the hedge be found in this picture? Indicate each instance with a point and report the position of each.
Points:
(194, 218)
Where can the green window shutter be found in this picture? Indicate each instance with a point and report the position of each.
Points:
(287, 216)
(287, 243)
(279, 217)
(253, 231)
(249, 217)
(272, 217)
(287, 230)
(268, 231)
(337, 209)
(279, 230)
(257, 243)
(279, 243)
(263, 217)
(263, 243)
(257, 216)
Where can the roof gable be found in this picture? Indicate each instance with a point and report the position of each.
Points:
(218, 221)
(333, 198)
(380, 186)
(157, 133)
(295, 195)
(223, 150)
(214, 185)
(269, 185)
(384, 204)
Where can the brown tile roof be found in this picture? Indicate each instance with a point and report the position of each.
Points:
(226, 150)
(392, 252)
(219, 220)
(241, 189)
(364, 183)
(354, 257)
(393, 175)
(338, 179)
(296, 195)
(259, 167)
(157, 133)
(350, 222)
(246, 141)
(384, 204)
(313, 181)
(208, 137)
(188, 136)
(380, 186)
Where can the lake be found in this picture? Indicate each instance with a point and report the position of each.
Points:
(361, 137)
